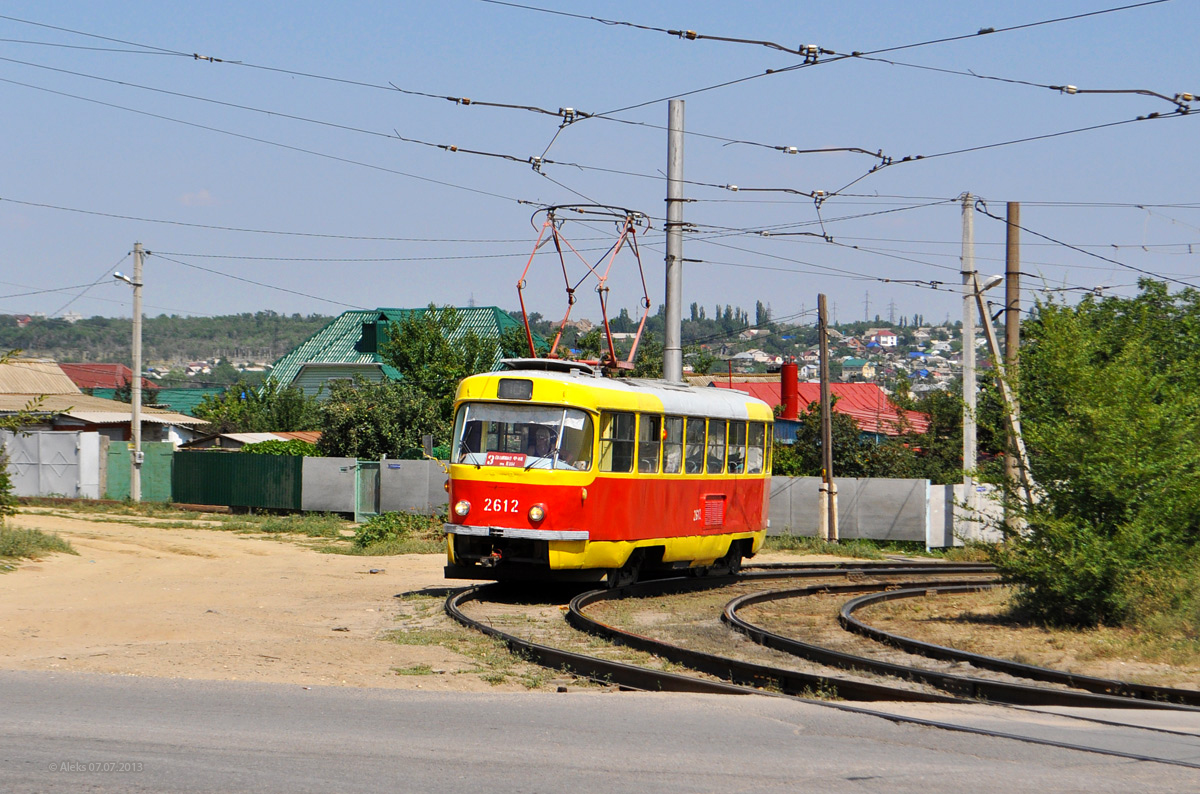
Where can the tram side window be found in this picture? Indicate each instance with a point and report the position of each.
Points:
(649, 443)
(756, 454)
(616, 442)
(737, 447)
(693, 457)
(673, 445)
(716, 446)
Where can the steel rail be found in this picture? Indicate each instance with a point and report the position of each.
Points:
(964, 686)
(625, 675)
(789, 682)
(632, 677)
(1107, 686)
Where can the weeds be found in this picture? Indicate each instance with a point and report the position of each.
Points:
(799, 544)
(30, 543)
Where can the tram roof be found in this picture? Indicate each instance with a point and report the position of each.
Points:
(676, 398)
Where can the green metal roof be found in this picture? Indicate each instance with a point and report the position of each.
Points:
(183, 401)
(341, 342)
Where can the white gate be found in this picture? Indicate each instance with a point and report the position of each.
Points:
(50, 463)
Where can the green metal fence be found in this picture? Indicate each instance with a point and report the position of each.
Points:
(237, 480)
(156, 471)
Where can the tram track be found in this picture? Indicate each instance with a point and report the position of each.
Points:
(716, 673)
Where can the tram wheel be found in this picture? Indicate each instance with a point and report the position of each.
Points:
(627, 574)
(730, 564)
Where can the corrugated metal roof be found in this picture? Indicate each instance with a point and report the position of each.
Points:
(35, 376)
(94, 410)
(339, 342)
(866, 402)
(311, 436)
(183, 401)
(100, 376)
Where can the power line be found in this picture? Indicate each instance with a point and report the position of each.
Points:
(257, 231)
(72, 31)
(99, 278)
(812, 53)
(45, 291)
(256, 283)
(569, 115)
(81, 47)
(288, 147)
(981, 206)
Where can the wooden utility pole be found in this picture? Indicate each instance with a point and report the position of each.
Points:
(828, 495)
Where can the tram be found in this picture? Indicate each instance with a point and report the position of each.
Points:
(557, 473)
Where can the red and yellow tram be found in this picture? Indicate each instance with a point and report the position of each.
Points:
(557, 473)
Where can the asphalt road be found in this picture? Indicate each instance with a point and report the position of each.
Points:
(93, 733)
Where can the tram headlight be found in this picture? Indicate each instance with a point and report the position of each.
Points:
(537, 513)
(461, 508)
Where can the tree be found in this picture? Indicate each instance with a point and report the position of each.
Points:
(1110, 408)
(369, 420)
(432, 358)
(14, 423)
(851, 453)
(124, 393)
(702, 361)
(648, 363)
(243, 408)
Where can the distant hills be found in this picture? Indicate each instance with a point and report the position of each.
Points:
(261, 336)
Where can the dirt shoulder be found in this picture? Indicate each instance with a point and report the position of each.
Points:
(211, 604)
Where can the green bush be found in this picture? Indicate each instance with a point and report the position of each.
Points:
(388, 527)
(1110, 407)
(292, 446)
(7, 500)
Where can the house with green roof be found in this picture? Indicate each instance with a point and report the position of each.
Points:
(857, 369)
(350, 344)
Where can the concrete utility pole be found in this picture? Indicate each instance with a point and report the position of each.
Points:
(135, 389)
(968, 348)
(828, 494)
(672, 344)
(1012, 333)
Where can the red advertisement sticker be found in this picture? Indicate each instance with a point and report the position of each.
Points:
(511, 459)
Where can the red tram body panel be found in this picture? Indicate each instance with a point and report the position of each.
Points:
(562, 474)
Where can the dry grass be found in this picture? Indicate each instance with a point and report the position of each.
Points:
(984, 623)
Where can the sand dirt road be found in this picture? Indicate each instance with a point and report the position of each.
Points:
(211, 604)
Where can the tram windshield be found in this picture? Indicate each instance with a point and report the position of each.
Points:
(525, 436)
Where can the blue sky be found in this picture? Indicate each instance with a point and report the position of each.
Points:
(460, 223)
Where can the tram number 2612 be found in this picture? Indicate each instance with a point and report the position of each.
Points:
(500, 506)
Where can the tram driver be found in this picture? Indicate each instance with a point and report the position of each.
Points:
(541, 442)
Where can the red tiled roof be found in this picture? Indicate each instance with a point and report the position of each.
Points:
(101, 376)
(866, 402)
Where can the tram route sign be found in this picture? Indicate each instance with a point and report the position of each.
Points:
(510, 459)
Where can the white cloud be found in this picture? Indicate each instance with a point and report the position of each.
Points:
(201, 198)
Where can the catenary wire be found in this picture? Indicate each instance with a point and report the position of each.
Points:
(981, 207)
(256, 283)
(813, 61)
(278, 144)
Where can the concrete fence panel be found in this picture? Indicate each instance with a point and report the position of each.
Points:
(875, 508)
(329, 485)
(412, 486)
